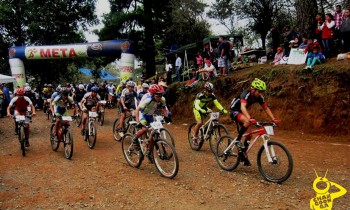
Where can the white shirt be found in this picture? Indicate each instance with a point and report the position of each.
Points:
(178, 62)
(206, 67)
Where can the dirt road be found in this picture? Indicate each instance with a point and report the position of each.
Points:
(101, 179)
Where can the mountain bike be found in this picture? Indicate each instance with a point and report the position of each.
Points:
(163, 154)
(101, 112)
(64, 135)
(91, 131)
(212, 130)
(118, 132)
(274, 161)
(164, 132)
(23, 129)
(78, 115)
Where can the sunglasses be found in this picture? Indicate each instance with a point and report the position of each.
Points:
(158, 95)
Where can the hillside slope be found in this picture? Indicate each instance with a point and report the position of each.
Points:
(310, 101)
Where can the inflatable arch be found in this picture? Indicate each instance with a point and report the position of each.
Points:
(83, 50)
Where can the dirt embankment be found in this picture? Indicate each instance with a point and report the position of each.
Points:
(310, 101)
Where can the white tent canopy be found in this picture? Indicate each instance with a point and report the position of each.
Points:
(6, 79)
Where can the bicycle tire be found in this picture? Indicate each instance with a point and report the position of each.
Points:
(116, 129)
(134, 158)
(78, 119)
(55, 143)
(68, 144)
(21, 138)
(92, 135)
(230, 160)
(275, 173)
(200, 138)
(217, 131)
(165, 158)
(167, 135)
(102, 118)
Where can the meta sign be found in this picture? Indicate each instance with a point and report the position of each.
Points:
(52, 52)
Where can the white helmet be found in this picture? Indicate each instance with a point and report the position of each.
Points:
(26, 84)
(130, 84)
(27, 88)
(145, 85)
(81, 87)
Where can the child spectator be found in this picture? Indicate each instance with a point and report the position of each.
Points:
(315, 58)
(304, 42)
(278, 56)
(312, 43)
(327, 34)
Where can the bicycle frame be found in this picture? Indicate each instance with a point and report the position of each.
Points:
(260, 133)
(209, 125)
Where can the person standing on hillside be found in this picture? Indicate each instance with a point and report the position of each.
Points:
(345, 31)
(327, 35)
(338, 19)
(223, 54)
(178, 64)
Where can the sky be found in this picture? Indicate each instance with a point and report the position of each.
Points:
(103, 7)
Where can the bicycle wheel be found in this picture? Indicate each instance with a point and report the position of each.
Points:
(116, 130)
(282, 162)
(21, 138)
(78, 119)
(216, 133)
(133, 157)
(191, 134)
(55, 143)
(102, 118)
(68, 144)
(92, 135)
(166, 134)
(228, 160)
(165, 158)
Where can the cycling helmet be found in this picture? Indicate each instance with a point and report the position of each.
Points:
(94, 89)
(45, 85)
(49, 85)
(63, 89)
(81, 87)
(145, 85)
(123, 82)
(20, 92)
(130, 84)
(156, 89)
(26, 84)
(258, 84)
(27, 88)
(209, 87)
(58, 89)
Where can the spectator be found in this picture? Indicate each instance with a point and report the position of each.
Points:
(294, 43)
(315, 58)
(304, 41)
(199, 60)
(345, 30)
(338, 18)
(278, 56)
(275, 36)
(223, 54)
(288, 36)
(327, 34)
(312, 43)
(208, 71)
(178, 64)
(318, 33)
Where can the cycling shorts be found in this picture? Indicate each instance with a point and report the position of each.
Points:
(60, 111)
(197, 114)
(235, 115)
(146, 119)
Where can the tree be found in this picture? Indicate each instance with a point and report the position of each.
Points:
(223, 11)
(306, 11)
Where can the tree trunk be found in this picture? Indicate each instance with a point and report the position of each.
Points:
(149, 41)
(306, 13)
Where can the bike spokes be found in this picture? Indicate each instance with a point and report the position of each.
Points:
(227, 153)
(165, 158)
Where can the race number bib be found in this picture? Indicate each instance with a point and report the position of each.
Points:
(92, 114)
(156, 125)
(269, 130)
(214, 116)
(67, 118)
(20, 118)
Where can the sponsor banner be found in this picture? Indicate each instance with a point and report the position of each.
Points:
(17, 70)
(56, 51)
(126, 66)
(296, 56)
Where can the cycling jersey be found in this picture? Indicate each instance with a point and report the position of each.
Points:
(111, 89)
(202, 100)
(148, 105)
(79, 95)
(248, 98)
(20, 103)
(88, 101)
(129, 98)
(61, 105)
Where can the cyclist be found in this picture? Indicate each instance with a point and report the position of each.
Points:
(111, 91)
(30, 94)
(47, 92)
(143, 91)
(60, 103)
(200, 107)
(239, 111)
(127, 101)
(89, 103)
(21, 102)
(102, 91)
(145, 110)
(78, 96)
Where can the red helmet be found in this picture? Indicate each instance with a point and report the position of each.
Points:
(156, 89)
(20, 92)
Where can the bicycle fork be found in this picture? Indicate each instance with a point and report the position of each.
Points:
(269, 150)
